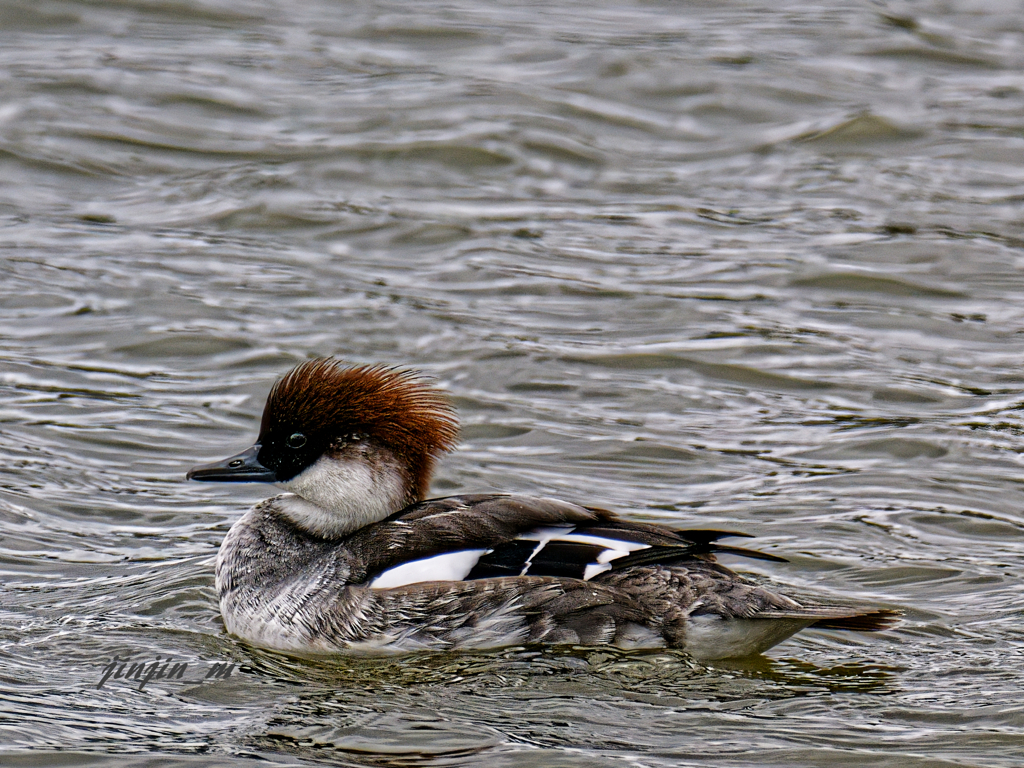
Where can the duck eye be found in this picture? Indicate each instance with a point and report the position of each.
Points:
(297, 440)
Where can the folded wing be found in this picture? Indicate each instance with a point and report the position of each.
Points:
(481, 537)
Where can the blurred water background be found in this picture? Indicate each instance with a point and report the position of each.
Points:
(741, 264)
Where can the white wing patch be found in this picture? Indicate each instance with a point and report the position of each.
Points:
(593, 569)
(613, 548)
(449, 566)
(456, 566)
(544, 535)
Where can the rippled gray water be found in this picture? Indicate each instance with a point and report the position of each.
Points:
(728, 264)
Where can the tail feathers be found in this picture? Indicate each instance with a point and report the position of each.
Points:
(872, 621)
(753, 554)
(662, 555)
(706, 536)
(836, 617)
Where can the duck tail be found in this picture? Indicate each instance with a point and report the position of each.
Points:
(870, 621)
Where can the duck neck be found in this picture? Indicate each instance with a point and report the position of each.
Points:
(333, 498)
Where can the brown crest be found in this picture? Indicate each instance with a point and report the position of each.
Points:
(326, 399)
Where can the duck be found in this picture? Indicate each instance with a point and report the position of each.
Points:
(354, 558)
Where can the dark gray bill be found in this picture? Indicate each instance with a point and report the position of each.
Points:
(242, 468)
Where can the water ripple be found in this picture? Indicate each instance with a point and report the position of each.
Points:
(704, 265)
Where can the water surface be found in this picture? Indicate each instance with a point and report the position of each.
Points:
(723, 265)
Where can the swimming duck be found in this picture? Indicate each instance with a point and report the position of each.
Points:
(353, 557)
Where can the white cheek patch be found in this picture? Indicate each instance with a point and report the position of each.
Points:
(450, 566)
(334, 497)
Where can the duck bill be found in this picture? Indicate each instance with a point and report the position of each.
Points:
(241, 468)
